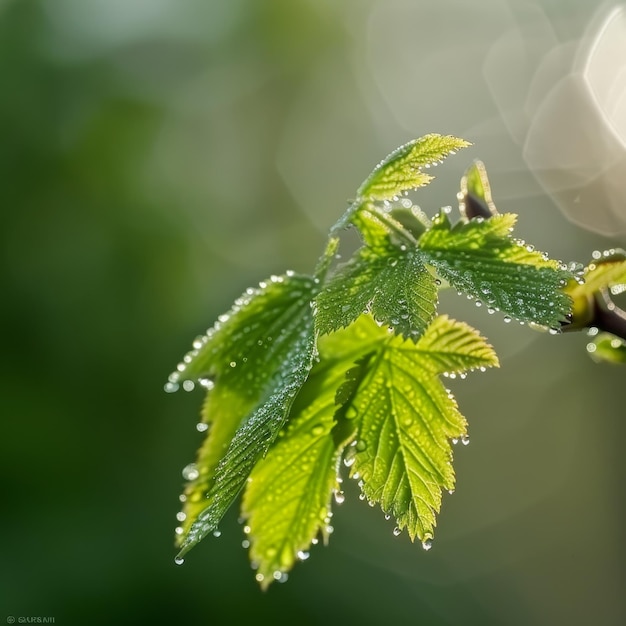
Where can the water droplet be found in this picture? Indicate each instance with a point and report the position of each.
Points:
(317, 430)
(554, 331)
(507, 319)
(361, 445)
(396, 531)
(233, 363)
(259, 578)
(245, 544)
(280, 577)
(465, 440)
(217, 533)
(179, 560)
(490, 310)
(190, 472)
(246, 530)
(591, 347)
(303, 555)
(340, 497)
(201, 427)
(361, 497)
(188, 385)
(207, 383)
(180, 516)
(182, 498)
(427, 544)
(170, 387)
(179, 530)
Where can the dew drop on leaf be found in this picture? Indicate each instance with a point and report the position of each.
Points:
(179, 560)
(396, 531)
(201, 427)
(427, 544)
(190, 472)
(317, 430)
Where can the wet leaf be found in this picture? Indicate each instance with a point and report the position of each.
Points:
(607, 348)
(401, 170)
(391, 282)
(406, 419)
(287, 502)
(481, 258)
(256, 358)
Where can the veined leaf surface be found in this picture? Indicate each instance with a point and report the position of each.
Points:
(254, 360)
(481, 258)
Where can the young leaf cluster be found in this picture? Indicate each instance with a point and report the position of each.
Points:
(312, 379)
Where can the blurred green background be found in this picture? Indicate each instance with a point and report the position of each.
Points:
(157, 157)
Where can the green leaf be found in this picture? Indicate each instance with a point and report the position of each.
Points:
(605, 273)
(401, 170)
(391, 282)
(255, 359)
(475, 197)
(481, 258)
(407, 418)
(607, 269)
(607, 348)
(288, 498)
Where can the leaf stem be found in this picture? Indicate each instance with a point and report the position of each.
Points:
(391, 223)
(607, 316)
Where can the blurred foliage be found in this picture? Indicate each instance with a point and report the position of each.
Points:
(156, 158)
